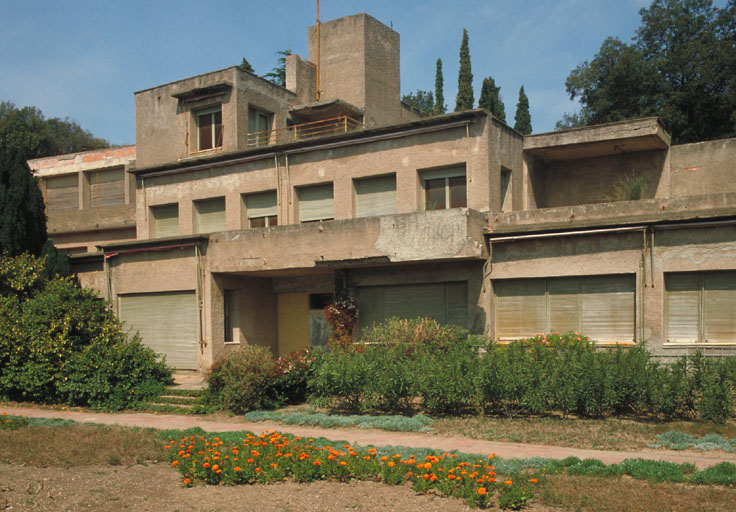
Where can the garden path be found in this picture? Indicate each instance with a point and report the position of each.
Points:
(368, 437)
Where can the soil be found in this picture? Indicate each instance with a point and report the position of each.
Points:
(156, 487)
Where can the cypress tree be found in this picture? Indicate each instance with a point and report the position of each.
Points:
(523, 120)
(439, 95)
(490, 99)
(22, 217)
(465, 99)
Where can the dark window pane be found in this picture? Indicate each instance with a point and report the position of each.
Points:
(273, 220)
(259, 222)
(457, 192)
(434, 192)
(205, 131)
(218, 129)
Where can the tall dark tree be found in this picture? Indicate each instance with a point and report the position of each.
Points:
(245, 66)
(439, 94)
(490, 99)
(278, 74)
(523, 119)
(421, 100)
(465, 99)
(680, 66)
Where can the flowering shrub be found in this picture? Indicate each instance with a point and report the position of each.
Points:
(273, 457)
(291, 374)
(9, 422)
(342, 315)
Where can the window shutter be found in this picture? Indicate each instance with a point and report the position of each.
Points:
(261, 205)
(107, 188)
(375, 196)
(608, 307)
(166, 220)
(370, 305)
(682, 307)
(719, 306)
(166, 322)
(315, 203)
(520, 308)
(456, 304)
(415, 301)
(62, 193)
(564, 305)
(211, 215)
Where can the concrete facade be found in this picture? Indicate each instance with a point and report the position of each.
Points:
(304, 195)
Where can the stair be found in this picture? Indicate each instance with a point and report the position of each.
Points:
(183, 397)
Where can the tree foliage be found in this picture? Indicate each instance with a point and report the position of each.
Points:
(465, 99)
(680, 66)
(439, 94)
(522, 118)
(490, 99)
(277, 75)
(420, 100)
(245, 66)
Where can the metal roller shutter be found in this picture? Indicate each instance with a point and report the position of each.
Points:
(62, 193)
(210, 215)
(316, 203)
(107, 188)
(166, 219)
(520, 308)
(166, 322)
(719, 307)
(375, 196)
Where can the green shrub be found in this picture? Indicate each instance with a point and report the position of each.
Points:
(243, 381)
(417, 333)
(339, 379)
(292, 372)
(60, 343)
(722, 474)
(391, 386)
(445, 380)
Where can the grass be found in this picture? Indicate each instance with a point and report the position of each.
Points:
(417, 423)
(606, 434)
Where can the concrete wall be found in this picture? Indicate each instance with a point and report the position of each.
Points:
(703, 168)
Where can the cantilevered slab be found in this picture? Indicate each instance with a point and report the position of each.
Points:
(592, 141)
(326, 110)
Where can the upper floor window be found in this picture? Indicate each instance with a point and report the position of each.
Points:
(165, 220)
(62, 193)
(316, 203)
(210, 215)
(261, 209)
(444, 188)
(375, 196)
(209, 129)
(259, 127)
(107, 188)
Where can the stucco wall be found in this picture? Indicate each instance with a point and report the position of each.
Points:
(703, 168)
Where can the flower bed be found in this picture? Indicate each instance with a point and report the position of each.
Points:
(273, 457)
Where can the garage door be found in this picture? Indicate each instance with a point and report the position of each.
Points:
(602, 307)
(445, 302)
(166, 322)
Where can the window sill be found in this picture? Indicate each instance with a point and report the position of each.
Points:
(232, 343)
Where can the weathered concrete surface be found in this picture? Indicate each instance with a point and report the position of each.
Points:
(365, 437)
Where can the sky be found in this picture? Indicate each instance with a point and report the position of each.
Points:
(85, 59)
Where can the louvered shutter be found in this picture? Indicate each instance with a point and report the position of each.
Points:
(456, 304)
(520, 307)
(166, 219)
(719, 307)
(316, 203)
(370, 306)
(261, 205)
(375, 196)
(683, 307)
(166, 322)
(608, 307)
(62, 193)
(415, 301)
(107, 188)
(211, 215)
(564, 305)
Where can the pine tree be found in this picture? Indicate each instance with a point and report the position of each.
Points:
(439, 95)
(245, 66)
(522, 119)
(490, 99)
(465, 99)
(277, 75)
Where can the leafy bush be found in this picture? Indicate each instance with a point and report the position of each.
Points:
(292, 372)
(445, 379)
(722, 474)
(414, 333)
(56, 339)
(244, 380)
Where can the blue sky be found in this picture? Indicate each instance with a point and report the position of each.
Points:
(84, 59)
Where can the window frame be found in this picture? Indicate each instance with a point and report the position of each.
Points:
(253, 126)
(155, 225)
(269, 219)
(300, 202)
(212, 112)
(446, 174)
(359, 197)
(199, 203)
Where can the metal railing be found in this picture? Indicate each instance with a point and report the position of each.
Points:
(304, 131)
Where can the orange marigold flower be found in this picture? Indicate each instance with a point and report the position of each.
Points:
(258, 469)
(237, 468)
(384, 458)
(367, 457)
(317, 462)
(508, 482)
(533, 480)
(167, 447)
(433, 478)
(273, 464)
(187, 481)
(218, 471)
(428, 465)
(482, 491)
(176, 462)
(409, 473)
(426, 476)
(330, 457)
(391, 463)
(206, 465)
(492, 473)
(450, 477)
(343, 463)
(215, 467)
(491, 479)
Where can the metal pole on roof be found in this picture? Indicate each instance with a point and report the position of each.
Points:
(317, 91)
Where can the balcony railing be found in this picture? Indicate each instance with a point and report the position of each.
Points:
(304, 131)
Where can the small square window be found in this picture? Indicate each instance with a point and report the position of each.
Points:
(261, 209)
(259, 127)
(209, 129)
(445, 188)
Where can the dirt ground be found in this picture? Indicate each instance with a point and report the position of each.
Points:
(157, 488)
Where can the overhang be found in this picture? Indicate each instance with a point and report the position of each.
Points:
(326, 110)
